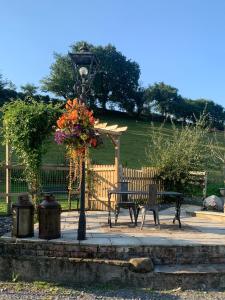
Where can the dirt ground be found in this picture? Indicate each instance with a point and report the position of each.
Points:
(46, 291)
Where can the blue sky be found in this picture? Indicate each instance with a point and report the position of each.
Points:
(180, 42)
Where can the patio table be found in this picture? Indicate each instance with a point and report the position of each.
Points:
(174, 196)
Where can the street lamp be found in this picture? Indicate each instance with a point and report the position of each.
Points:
(85, 66)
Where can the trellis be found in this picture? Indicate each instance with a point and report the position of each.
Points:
(114, 132)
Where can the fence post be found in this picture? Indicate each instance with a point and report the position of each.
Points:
(8, 177)
(205, 185)
(117, 158)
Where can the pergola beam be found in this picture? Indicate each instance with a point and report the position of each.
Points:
(113, 132)
(112, 129)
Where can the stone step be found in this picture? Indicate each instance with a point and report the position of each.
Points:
(211, 215)
(190, 269)
(200, 276)
(90, 271)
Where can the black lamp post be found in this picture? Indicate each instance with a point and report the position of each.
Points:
(85, 66)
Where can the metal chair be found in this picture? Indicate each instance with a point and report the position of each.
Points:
(123, 202)
(151, 205)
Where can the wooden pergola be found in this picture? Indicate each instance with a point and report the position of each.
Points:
(114, 132)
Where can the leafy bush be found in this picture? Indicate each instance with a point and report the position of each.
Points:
(26, 124)
(186, 149)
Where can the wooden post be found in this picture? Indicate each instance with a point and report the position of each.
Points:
(116, 142)
(205, 185)
(8, 177)
(117, 158)
(87, 188)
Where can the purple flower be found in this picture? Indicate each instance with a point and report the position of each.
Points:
(60, 136)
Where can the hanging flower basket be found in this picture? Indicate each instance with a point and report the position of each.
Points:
(75, 129)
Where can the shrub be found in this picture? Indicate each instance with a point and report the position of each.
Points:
(175, 155)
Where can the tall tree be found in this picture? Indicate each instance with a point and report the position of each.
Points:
(116, 81)
(61, 79)
(29, 89)
(7, 90)
(139, 99)
(215, 113)
(164, 97)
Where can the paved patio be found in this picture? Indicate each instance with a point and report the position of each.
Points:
(194, 231)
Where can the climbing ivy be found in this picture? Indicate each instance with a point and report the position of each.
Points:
(26, 125)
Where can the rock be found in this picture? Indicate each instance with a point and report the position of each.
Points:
(213, 203)
(141, 265)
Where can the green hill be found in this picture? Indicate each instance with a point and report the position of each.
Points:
(135, 141)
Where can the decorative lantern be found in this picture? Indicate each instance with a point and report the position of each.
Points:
(49, 218)
(23, 217)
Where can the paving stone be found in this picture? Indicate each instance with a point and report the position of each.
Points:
(194, 231)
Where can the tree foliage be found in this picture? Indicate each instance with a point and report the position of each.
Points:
(61, 79)
(7, 90)
(166, 100)
(116, 81)
(176, 155)
(165, 97)
(29, 89)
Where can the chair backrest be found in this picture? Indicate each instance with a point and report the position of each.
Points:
(152, 195)
(123, 187)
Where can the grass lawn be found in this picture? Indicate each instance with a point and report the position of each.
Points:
(133, 152)
(60, 198)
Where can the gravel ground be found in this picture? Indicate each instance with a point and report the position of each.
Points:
(5, 224)
(45, 291)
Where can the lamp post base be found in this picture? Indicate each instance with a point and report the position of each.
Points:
(82, 218)
(81, 233)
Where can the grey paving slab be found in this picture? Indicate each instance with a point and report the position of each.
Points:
(194, 231)
(123, 240)
(104, 241)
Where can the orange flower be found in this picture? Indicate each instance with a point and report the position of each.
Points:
(69, 104)
(92, 120)
(89, 113)
(61, 122)
(93, 142)
(73, 115)
(80, 151)
(75, 102)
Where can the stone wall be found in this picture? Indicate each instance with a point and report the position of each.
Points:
(92, 271)
(158, 254)
(75, 263)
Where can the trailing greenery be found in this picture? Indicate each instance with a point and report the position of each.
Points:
(186, 149)
(26, 125)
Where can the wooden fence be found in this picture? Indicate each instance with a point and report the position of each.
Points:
(100, 178)
(140, 179)
(105, 178)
